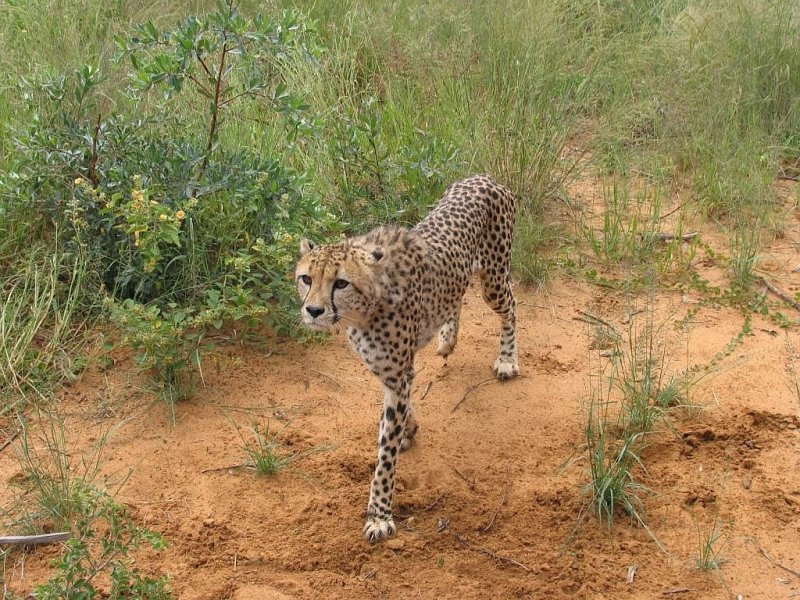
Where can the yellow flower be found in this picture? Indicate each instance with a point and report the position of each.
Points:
(78, 180)
(180, 214)
(162, 217)
(138, 198)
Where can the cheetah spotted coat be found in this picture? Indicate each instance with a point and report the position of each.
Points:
(394, 289)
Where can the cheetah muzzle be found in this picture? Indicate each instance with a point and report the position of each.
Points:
(393, 289)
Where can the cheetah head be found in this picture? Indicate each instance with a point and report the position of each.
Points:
(339, 284)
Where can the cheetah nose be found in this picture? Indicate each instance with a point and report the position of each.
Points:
(315, 311)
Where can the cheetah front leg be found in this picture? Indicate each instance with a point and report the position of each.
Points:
(392, 438)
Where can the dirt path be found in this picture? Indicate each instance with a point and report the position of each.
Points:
(490, 497)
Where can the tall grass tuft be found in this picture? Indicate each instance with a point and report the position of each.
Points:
(711, 542)
(56, 481)
(39, 317)
(630, 395)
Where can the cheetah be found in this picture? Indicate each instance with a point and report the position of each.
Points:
(395, 288)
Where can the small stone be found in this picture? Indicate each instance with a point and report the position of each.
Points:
(747, 481)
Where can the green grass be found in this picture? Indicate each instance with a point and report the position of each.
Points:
(614, 471)
(266, 453)
(59, 490)
(710, 545)
(706, 91)
(40, 321)
(631, 392)
(400, 100)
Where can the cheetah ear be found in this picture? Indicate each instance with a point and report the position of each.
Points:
(377, 254)
(306, 246)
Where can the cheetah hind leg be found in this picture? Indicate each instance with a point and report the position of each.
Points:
(409, 431)
(448, 334)
(500, 297)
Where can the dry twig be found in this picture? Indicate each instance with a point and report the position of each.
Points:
(488, 526)
(34, 540)
(322, 373)
(780, 293)
(11, 438)
(671, 237)
(673, 211)
(594, 320)
(217, 469)
(425, 393)
(471, 389)
(683, 590)
(433, 504)
(777, 564)
(469, 482)
(486, 551)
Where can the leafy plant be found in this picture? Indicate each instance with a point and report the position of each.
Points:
(634, 381)
(59, 492)
(224, 56)
(613, 485)
(745, 244)
(182, 233)
(104, 536)
(168, 342)
(639, 370)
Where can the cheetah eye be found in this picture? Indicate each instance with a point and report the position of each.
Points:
(340, 284)
(305, 279)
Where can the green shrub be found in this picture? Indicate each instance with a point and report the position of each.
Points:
(59, 492)
(104, 536)
(182, 230)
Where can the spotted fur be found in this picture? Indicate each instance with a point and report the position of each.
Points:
(394, 289)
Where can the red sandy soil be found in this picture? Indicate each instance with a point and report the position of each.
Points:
(490, 499)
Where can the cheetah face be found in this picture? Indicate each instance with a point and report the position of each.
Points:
(337, 284)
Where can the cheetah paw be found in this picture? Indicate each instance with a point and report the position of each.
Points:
(408, 437)
(379, 528)
(446, 348)
(505, 369)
